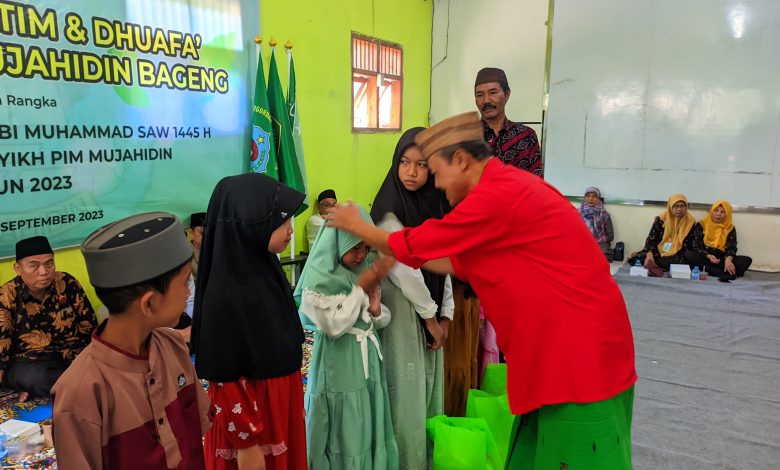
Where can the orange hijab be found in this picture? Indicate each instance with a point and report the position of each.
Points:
(715, 234)
(675, 230)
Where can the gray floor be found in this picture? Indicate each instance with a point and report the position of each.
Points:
(708, 358)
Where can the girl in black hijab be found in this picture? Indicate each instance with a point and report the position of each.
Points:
(420, 301)
(246, 334)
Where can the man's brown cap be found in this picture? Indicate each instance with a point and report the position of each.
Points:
(464, 127)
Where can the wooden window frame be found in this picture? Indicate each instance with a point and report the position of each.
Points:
(371, 77)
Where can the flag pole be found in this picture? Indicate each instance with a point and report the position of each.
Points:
(258, 41)
(258, 50)
(287, 47)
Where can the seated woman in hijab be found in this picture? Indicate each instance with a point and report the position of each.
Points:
(717, 241)
(670, 237)
(421, 302)
(598, 220)
(348, 421)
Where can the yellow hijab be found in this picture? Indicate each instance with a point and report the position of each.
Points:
(675, 230)
(715, 234)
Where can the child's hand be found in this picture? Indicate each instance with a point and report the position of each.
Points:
(444, 322)
(433, 327)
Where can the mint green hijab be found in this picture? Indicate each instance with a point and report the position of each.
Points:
(324, 272)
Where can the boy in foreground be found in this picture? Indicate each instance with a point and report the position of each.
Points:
(131, 399)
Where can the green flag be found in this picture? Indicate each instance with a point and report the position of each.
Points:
(289, 172)
(263, 158)
(295, 123)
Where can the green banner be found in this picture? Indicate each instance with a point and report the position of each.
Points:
(110, 108)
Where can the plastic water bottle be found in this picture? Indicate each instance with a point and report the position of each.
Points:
(695, 274)
(3, 450)
(637, 263)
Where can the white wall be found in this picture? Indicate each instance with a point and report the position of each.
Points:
(757, 234)
(513, 35)
(469, 35)
(652, 98)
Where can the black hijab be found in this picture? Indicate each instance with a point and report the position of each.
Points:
(412, 207)
(245, 322)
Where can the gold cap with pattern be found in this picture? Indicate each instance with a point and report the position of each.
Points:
(464, 127)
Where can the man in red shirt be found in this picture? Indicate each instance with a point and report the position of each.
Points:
(559, 316)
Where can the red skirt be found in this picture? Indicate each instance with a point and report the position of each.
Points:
(268, 413)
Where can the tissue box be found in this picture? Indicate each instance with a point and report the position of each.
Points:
(680, 271)
(21, 430)
(638, 271)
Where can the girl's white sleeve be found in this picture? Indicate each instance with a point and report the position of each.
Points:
(448, 303)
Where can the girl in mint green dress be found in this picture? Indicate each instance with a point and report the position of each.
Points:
(348, 422)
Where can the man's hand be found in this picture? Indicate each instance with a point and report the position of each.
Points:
(376, 273)
(374, 301)
(343, 216)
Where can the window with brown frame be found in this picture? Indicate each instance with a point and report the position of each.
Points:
(377, 83)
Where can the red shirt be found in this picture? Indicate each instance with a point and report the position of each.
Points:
(545, 285)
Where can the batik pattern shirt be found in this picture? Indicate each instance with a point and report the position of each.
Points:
(60, 325)
(516, 145)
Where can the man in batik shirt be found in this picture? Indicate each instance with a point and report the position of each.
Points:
(512, 142)
(45, 321)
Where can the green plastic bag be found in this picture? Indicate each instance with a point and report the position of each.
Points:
(462, 443)
(494, 381)
(495, 411)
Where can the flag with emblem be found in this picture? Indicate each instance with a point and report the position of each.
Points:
(289, 171)
(263, 156)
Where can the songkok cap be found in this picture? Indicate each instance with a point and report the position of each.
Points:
(135, 249)
(491, 75)
(38, 245)
(197, 219)
(464, 127)
(328, 193)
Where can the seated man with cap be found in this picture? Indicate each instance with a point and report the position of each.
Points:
(45, 321)
(514, 143)
(325, 201)
(132, 398)
(195, 233)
